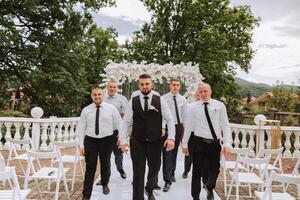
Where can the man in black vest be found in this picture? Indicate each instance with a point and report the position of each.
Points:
(144, 113)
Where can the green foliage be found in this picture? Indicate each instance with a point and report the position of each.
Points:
(254, 89)
(10, 113)
(210, 33)
(283, 99)
(55, 51)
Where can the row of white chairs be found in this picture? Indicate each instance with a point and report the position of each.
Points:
(245, 171)
(54, 171)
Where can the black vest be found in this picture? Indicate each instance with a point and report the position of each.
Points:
(146, 125)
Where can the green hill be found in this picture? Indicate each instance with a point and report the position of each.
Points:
(255, 89)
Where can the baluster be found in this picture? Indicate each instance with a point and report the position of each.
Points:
(251, 143)
(52, 134)
(17, 133)
(66, 132)
(72, 133)
(297, 144)
(287, 152)
(244, 139)
(1, 145)
(236, 138)
(26, 134)
(44, 136)
(59, 133)
(7, 134)
(76, 129)
(269, 144)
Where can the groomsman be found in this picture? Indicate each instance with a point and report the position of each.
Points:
(96, 125)
(208, 119)
(178, 106)
(120, 102)
(145, 113)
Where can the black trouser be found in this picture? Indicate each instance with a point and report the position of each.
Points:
(94, 147)
(140, 152)
(170, 157)
(210, 153)
(117, 152)
(188, 159)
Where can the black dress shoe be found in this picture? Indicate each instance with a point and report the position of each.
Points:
(149, 195)
(105, 189)
(86, 198)
(122, 174)
(184, 175)
(167, 187)
(99, 183)
(157, 187)
(209, 193)
(173, 179)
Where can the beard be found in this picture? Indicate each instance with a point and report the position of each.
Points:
(145, 93)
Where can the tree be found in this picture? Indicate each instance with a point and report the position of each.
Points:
(207, 32)
(55, 51)
(284, 99)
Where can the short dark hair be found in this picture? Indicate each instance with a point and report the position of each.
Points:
(144, 76)
(174, 79)
(96, 87)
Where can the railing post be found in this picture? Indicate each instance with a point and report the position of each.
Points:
(36, 113)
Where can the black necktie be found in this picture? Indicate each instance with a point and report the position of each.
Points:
(146, 103)
(176, 110)
(97, 120)
(209, 121)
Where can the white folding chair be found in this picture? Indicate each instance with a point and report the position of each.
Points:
(272, 153)
(74, 159)
(9, 173)
(18, 154)
(230, 164)
(55, 173)
(248, 177)
(268, 194)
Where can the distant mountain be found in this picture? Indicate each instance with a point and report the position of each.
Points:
(255, 89)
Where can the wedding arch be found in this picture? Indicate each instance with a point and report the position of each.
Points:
(123, 72)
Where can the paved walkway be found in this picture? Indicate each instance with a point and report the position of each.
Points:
(121, 189)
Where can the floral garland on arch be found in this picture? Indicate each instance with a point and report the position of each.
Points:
(189, 74)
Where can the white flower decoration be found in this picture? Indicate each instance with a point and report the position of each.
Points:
(153, 108)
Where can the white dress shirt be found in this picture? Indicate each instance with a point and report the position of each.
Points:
(109, 120)
(119, 101)
(197, 122)
(128, 116)
(181, 104)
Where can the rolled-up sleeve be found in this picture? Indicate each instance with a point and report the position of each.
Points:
(82, 127)
(168, 118)
(225, 127)
(126, 123)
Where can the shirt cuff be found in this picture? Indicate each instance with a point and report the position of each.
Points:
(227, 145)
(184, 145)
(123, 141)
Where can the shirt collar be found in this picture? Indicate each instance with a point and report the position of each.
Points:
(101, 104)
(202, 102)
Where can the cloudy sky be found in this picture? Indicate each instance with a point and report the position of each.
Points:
(276, 40)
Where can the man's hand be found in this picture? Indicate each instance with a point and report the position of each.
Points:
(163, 132)
(185, 151)
(81, 150)
(123, 147)
(169, 144)
(226, 151)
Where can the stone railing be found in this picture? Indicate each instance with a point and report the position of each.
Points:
(45, 130)
(42, 131)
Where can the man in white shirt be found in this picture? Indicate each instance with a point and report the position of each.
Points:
(120, 102)
(208, 118)
(144, 113)
(97, 123)
(178, 106)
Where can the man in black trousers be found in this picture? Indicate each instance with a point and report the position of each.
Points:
(144, 113)
(208, 119)
(96, 125)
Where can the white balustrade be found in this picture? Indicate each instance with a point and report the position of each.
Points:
(65, 129)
